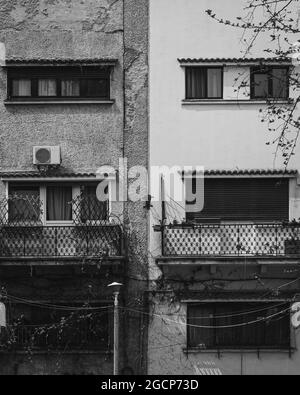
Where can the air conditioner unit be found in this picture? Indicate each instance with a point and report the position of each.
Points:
(46, 155)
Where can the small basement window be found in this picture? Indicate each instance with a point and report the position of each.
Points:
(58, 83)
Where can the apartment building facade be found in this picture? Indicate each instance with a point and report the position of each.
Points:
(73, 100)
(226, 275)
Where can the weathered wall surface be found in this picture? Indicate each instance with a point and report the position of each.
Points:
(89, 135)
(136, 150)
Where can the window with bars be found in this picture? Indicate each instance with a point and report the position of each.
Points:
(58, 83)
(62, 203)
(239, 325)
(204, 83)
(270, 83)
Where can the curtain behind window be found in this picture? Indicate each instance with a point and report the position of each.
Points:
(70, 88)
(21, 88)
(47, 87)
(195, 83)
(214, 83)
(59, 203)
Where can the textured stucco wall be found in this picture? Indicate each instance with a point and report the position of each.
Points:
(89, 135)
(136, 150)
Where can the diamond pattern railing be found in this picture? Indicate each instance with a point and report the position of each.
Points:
(20, 211)
(61, 241)
(231, 240)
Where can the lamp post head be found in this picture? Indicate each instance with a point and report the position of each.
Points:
(115, 287)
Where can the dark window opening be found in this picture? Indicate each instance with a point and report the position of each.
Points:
(239, 326)
(244, 199)
(24, 204)
(55, 329)
(270, 82)
(58, 83)
(204, 83)
(92, 209)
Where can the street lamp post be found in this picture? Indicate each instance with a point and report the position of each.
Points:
(116, 292)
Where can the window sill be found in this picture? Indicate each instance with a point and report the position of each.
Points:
(234, 102)
(239, 351)
(57, 102)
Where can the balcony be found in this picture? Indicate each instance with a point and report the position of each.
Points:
(61, 242)
(91, 235)
(231, 241)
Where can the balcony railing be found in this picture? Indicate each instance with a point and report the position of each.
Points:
(92, 235)
(233, 240)
(84, 336)
(61, 241)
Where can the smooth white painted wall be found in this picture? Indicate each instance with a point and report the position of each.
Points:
(214, 136)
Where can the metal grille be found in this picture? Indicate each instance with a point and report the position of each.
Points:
(83, 335)
(21, 211)
(232, 240)
(61, 241)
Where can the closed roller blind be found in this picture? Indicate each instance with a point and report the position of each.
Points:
(254, 199)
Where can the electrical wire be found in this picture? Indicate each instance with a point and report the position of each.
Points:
(214, 326)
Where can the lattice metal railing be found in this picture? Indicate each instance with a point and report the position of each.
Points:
(88, 210)
(231, 240)
(61, 241)
(21, 211)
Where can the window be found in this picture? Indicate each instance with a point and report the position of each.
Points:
(270, 328)
(58, 83)
(59, 203)
(244, 199)
(204, 83)
(24, 203)
(40, 328)
(270, 82)
(91, 208)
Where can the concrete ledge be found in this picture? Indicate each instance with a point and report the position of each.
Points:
(60, 261)
(45, 352)
(56, 102)
(239, 351)
(234, 102)
(226, 260)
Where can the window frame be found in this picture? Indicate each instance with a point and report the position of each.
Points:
(206, 68)
(76, 190)
(243, 347)
(34, 74)
(254, 70)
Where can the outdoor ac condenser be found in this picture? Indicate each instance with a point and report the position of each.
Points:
(46, 155)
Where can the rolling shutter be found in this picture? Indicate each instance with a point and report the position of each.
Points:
(252, 199)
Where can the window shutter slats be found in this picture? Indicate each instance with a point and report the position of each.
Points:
(244, 200)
